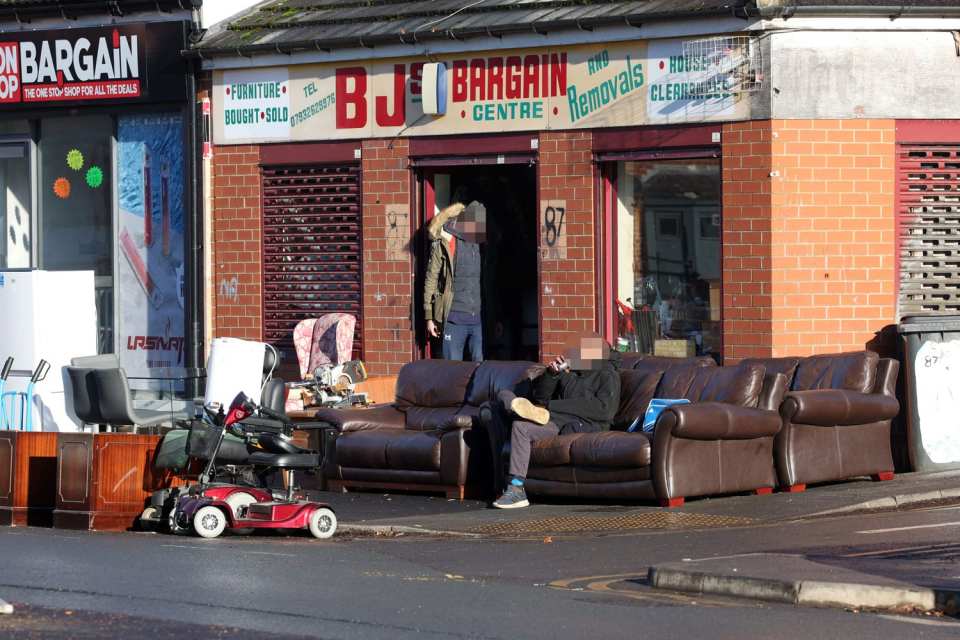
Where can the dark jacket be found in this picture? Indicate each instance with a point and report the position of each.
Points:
(580, 401)
(467, 272)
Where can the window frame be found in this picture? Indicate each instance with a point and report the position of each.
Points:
(606, 218)
(29, 142)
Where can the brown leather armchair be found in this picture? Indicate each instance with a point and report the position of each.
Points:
(836, 420)
(424, 440)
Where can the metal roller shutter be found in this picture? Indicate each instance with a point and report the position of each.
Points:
(312, 248)
(928, 201)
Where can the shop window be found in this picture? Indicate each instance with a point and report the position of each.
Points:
(667, 271)
(76, 200)
(15, 206)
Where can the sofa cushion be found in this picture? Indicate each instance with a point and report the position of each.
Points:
(611, 449)
(649, 364)
(853, 371)
(739, 385)
(552, 452)
(433, 383)
(592, 475)
(389, 449)
(786, 366)
(493, 376)
(636, 391)
(419, 451)
(429, 418)
(676, 381)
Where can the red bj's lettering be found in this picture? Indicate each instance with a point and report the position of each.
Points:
(355, 97)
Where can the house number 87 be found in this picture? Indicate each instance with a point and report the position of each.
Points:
(553, 224)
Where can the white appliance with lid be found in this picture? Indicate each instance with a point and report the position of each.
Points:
(49, 315)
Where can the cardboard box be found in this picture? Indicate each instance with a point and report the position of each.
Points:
(715, 301)
(675, 348)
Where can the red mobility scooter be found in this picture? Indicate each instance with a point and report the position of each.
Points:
(209, 508)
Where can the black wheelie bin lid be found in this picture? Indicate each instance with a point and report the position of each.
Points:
(929, 324)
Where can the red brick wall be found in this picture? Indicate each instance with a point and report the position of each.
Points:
(387, 283)
(236, 243)
(567, 287)
(808, 230)
(746, 221)
(834, 225)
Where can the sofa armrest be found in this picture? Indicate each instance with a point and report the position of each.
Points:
(383, 416)
(832, 407)
(459, 421)
(454, 454)
(717, 421)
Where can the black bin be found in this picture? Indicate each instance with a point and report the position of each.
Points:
(931, 370)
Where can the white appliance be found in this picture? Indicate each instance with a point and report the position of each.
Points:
(234, 365)
(50, 315)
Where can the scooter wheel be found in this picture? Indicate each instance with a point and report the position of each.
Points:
(323, 523)
(209, 522)
(173, 526)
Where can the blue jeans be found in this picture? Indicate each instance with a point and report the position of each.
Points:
(455, 337)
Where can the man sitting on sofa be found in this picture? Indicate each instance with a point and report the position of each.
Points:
(578, 392)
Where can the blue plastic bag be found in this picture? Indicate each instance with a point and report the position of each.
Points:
(654, 409)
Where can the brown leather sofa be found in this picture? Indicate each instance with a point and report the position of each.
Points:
(720, 443)
(424, 440)
(836, 417)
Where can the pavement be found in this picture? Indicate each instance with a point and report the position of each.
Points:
(391, 513)
(803, 580)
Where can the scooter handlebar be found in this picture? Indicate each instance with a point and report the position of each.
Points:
(275, 415)
(7, 366)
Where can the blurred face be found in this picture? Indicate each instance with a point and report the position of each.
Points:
(471, 224)
(588, 352)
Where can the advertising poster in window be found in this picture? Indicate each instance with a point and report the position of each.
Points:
(150, 245)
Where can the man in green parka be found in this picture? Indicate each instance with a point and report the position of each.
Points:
(452, 287)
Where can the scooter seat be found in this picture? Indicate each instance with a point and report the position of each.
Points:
(279, 444)
(285, 460)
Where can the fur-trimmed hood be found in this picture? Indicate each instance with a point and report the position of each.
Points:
(435, 228)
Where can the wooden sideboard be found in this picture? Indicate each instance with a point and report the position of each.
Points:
(104, 480)
(28, 478)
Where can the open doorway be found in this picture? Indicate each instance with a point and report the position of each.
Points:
(510, 301)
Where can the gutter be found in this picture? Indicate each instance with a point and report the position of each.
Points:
(24, 13)
(737, 9)
(786, 9)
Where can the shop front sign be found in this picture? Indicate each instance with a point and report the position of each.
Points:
(585, 86)
(121, 63)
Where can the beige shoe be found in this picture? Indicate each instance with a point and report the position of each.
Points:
(529, 411)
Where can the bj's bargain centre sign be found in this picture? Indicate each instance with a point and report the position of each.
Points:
(587, 86)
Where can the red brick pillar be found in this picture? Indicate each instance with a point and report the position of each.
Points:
(809, 251)
(746, 237)
(567, 285)
(237, 243)
(387, 279)
(834, 246)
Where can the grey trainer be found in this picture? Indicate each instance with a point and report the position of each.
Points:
(513, 498)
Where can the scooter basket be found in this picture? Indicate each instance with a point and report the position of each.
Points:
(203, 440)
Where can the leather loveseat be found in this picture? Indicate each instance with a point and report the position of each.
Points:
(722, 442)
(836, 417)
(424, 440)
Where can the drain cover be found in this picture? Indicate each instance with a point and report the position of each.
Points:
(574, 524)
